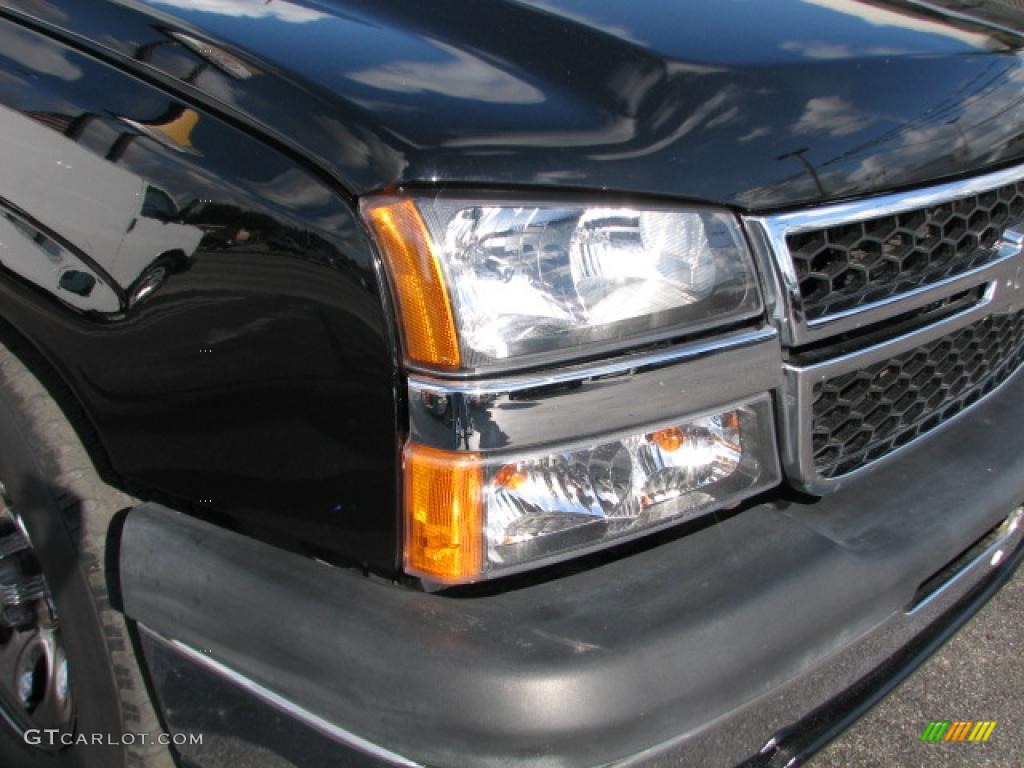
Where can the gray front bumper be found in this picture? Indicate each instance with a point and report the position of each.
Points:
(701, 649)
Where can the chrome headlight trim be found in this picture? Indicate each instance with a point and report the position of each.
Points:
(594, 399)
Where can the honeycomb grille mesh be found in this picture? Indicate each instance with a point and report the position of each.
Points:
(862, 415)
(843, 267)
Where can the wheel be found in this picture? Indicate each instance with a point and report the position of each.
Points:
(155, 275)
(66, 658)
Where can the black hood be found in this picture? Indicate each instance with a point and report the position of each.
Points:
(753, 104)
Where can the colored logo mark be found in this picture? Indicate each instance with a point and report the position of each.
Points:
(958, 730)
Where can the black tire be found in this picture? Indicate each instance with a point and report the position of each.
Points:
(68, 510)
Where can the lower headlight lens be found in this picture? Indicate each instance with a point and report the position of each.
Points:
(543, 507)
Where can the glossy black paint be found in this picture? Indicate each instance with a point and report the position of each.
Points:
(241, 359)
(755, 105)
(291, 419)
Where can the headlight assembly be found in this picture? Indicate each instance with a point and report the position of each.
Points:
(493, 285)
(471, 516)
(488, 284)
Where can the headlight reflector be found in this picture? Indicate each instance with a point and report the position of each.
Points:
(527, 281)
(510, 512)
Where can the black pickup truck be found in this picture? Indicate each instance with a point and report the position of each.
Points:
(498, 382)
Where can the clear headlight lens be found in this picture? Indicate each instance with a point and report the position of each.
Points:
(471, 518)
(525, 280)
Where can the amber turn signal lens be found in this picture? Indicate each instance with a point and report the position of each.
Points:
(443, 514)
(428, 324)
(511, 476)
(669, 440)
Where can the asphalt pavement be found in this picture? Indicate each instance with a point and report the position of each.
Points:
(977, 675)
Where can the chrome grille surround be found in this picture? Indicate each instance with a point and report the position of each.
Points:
(1000, 279)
